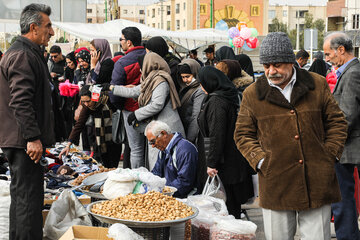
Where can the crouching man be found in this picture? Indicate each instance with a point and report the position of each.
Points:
(177, 159)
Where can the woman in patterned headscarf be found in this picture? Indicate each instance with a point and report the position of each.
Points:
(83, 70)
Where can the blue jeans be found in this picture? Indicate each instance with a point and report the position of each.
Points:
(345, 213)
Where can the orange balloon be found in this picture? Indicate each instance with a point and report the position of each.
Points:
(241, 25)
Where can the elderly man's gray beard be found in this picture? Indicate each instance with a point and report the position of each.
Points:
(277, 76)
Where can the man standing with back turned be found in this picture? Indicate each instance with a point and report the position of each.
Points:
(27, 120)
(291, 131)
(338, 51)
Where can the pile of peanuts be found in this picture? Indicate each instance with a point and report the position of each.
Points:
(150, 207)
(81, 178)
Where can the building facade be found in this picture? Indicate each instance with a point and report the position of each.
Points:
(135, 13)
(174, 15)
(295, 15)
(224, 14)
(95, 13)
(336, 13)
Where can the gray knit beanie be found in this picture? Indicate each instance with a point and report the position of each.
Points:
(276, 48)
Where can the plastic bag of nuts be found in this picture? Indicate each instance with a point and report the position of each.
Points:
(233, 229)
(200, 226)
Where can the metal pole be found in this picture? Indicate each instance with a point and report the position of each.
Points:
(297, 31)
(197, 14)
(311, 45)
(105, 10)
(211, 13)
(162, 14)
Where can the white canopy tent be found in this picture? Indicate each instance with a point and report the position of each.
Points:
(183, 41)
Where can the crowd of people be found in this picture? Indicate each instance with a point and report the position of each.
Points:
(186, 121)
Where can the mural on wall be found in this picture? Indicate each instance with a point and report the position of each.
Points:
(229, 17)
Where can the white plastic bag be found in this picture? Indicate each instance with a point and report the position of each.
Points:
(119, 183)
(208, 204)
(152, 181)
(120, 231)
(64, 213)
(214, 188)
(233, 229)
(4, 209)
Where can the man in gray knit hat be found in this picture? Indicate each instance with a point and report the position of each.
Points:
(291, 131)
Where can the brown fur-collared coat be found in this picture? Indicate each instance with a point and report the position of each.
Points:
(299, 142)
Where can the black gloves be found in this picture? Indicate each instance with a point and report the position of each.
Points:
(131, 118)
(105, 86)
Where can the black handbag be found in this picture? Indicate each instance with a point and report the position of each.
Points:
(118, 127)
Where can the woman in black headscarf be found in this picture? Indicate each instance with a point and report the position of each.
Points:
(70, 67)
(319, 67)
(159, 46)
(224, 52)
(245, 63)
(217, 124)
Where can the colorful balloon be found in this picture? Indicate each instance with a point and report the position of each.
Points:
(252, 42)
(233, 32)
(230, 42)
(254, 32)
(241, 25)
(246, 47)
(245, 33)
(238, 42)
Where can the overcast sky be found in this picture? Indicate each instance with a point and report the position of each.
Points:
(281, 2)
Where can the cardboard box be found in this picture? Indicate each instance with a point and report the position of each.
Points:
(45, 212)
(85, 233)
(84, 199)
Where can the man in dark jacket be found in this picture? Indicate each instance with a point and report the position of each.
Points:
(27, 119)
(56, 64)
(291, 130)
(127, 72)
(177, 159)
(338, 51)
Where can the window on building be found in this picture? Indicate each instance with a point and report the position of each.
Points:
(272, 14)
(104, 11)
(355, 21)
(141, 21)
(159, 25)
(184, 6)
(148, 13)
(89, 20)
(141, 12)
(301, 13)
(168, 10)
(177, 8)
(159, 11)
(203, 9)
(89, 10)
(153, 12)
(153, 25)
(168, 25)
(177, 24)
(284, 13)
(125, 11)
(184, 23)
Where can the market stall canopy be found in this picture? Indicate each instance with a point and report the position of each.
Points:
(111, 30)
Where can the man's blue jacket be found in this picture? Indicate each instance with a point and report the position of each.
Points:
(178, 165)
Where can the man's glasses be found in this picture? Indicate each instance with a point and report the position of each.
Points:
(120, 39)
(153, 141)
(54, 56)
